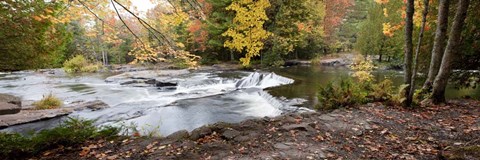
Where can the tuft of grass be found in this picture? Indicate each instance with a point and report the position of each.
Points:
(70, 133)
(48, 102)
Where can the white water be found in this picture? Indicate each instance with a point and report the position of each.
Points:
(199, 99)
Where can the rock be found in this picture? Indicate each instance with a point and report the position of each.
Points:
(301, 126)
(200, 132)
(165, 84)
(10, 99)
(146, 74)
(320, 154)
(92, 105)
(326, 118)
(242, 138)
(357, 132)
(281, 146)
(150, 81)
(230, 134)
(182, 134)
(130, 82)
(28, 116)
(8, 108)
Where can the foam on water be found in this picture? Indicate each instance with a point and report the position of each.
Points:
(199, 99)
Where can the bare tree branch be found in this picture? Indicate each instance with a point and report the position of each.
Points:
(147, 26)
(121, 19)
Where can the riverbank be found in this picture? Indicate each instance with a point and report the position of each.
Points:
(364, 132)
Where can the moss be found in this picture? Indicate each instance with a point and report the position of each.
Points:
(48, 102)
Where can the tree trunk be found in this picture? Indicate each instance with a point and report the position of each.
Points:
(408, 50)
(438, 44)
(417, 51)
(380, 51)
(440, 83)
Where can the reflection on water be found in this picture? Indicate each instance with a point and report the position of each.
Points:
(309, 78)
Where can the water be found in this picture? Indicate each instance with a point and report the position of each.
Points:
(309, 78)
(198, 99)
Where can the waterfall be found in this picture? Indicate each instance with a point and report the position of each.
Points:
(263, 80)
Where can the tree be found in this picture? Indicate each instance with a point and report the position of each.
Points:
(439, 43)
(408, 50)
(290, 22)
(247, 33)
(417, 51)
(335, 10)
(30, 36)
(440, 83)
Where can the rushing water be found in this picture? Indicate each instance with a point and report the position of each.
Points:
(199, 98)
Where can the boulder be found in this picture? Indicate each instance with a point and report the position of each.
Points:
(92, 105)
(8, 108)
(200, 132)
(182, 134)
(10, 99)
(230, 134)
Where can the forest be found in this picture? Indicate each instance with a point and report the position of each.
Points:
(315, 69)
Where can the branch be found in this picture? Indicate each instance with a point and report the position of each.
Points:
(146, 25)
(121, 19)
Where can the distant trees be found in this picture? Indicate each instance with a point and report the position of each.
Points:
(30, 36)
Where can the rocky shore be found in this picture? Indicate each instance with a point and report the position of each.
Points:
(372, 131)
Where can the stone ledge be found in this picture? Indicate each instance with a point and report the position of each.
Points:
(28, 116)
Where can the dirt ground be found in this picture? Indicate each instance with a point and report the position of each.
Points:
(371, 131)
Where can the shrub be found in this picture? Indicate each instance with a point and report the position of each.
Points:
(71, 132)
(48, 102)
(90, 68)
(80, 64)
(400, 96)
(382, 91)
(341, 93)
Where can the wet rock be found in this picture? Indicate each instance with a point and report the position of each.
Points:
(165, 84)
(8, 108)
(150, 81)
(92, 105)
(28, 116)
(130, 82)
(10, 99)
(178, 135)
(200, 132)
(230, 134)
(146, 74)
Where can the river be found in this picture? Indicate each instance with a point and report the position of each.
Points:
(199, 97)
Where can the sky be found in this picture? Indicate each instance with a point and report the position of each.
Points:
(142, 5)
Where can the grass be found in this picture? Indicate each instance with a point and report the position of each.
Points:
(48, 102)
(70, 133)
